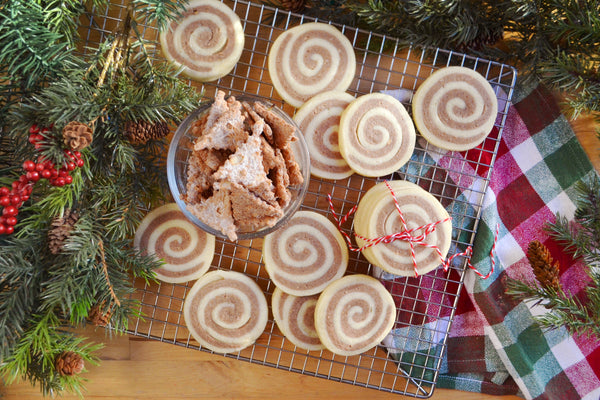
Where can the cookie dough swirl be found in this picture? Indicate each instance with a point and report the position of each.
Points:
(354, 314)
(310, 59)
(455, 108)
(318, 120)
(377, 216)
(376, 135)
(305, 255)
(207, 40)
(186, 250)
(225, 311)
(295, 317)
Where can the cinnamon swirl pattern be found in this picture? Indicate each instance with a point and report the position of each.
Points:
(295, 317)
(377, 216)
(207, 40)
(354, 314)
(318, 120)
(309, 59)
(376, 135)
(225, 311)
(187, 250)
(455, 108)
(305, 255)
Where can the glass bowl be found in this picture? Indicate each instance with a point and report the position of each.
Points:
(181, 148)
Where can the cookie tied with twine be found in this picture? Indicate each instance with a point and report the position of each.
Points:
(77, 135)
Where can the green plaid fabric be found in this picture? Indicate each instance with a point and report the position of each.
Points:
(495, 346)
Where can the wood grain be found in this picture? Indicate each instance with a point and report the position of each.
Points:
(135, 368)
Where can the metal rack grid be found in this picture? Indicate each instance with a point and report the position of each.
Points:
(410, 360)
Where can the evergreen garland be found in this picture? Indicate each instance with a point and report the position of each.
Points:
(45, 290)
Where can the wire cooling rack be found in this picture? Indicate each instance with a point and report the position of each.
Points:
(409, 360)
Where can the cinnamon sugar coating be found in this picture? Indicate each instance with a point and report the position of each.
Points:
(241, 168)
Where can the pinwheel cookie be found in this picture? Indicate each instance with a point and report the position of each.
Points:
(309, 59)
(354, 314)
(376, 135)
(455, 108)
(186, 249)
(295, 317)
(207, 40)
(225, 311)
(318, 119)
(306, 254)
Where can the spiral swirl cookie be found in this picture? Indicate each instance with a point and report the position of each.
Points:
(225, 311)
(455, 108)
(305, 255)
(187, 250)
(310, 59)
(376, 135)
(377, 216)
(207, 40)
(295, 317)
(318, 120)
(354, 314)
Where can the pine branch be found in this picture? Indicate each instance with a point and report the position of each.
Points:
(32, 54)
(34, 355)
(20, 280)
(160, 11)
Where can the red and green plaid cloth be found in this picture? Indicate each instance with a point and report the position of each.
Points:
(494, 345)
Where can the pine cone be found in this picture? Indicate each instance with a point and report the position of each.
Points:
(293, 5)
(97, 317)
(142, 131)
(77, 135)
(545, 269)
(69, 363)
(60, 230)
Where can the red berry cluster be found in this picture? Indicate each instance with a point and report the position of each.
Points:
(13, 198)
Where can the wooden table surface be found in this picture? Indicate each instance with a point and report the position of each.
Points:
(137, 368)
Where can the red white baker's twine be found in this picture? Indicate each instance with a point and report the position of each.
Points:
(407, 235)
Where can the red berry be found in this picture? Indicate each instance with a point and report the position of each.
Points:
(62, 173)
(2, 229)
(77, 154)
(46, 174)
(60, 181)
(33, 176)
(68, 179)
(5, 201)
(71, 166)
(10, 211)
(29, 165)
(54, 172)
(80, 162)
(4, 191)
(23, 179)
(15, 185)
(39, 167)
(24, 197)
(48, 164)
(11, 221)
(15, 199)
(10, 230)
(34, 128)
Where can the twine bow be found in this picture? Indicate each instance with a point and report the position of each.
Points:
(415, 237)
